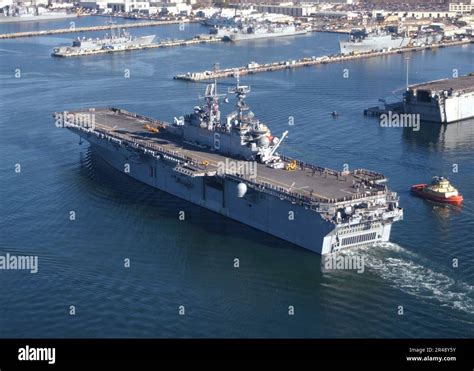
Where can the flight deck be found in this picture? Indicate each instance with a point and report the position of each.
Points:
(311, 182)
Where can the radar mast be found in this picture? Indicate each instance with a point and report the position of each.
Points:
(212, 111)
(241, 92)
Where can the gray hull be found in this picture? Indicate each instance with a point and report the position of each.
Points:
(103, 44)
(248, 37)
(36, 18)
(442, 109)
(427, 40)
(442, 101)
(373, 44)
(262, 211)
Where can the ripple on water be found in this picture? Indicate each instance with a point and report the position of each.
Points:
(407, 272)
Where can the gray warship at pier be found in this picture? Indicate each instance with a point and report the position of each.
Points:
(119, 40)
(362, 42)
(231, 165)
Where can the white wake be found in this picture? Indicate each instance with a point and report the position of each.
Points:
(399, 266)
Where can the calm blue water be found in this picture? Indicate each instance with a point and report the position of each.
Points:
(60, 23)
(190, 263)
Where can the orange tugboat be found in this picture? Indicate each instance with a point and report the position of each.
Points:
(440, 190)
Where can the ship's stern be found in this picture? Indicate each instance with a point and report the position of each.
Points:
(363, 224)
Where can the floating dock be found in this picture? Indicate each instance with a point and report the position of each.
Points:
(87, 29)
(253, 67)
(442, 101)
(202, 39)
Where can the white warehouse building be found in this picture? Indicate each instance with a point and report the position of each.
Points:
(135, 6)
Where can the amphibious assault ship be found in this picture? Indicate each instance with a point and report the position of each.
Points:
(231, 166)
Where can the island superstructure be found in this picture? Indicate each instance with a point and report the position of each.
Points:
(231, 166)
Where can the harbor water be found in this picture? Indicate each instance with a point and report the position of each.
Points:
(410, 287)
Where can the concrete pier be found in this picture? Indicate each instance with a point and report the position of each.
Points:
(87, 29)
(162, 44)
(253, 67)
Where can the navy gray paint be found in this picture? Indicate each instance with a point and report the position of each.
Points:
(320, 209)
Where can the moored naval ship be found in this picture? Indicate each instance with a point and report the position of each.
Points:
(426, 38)
(230, 165)
(218, 20)
(20, 13)
(254, 31)
(116, 41)
(361, 42)
(222, 31)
